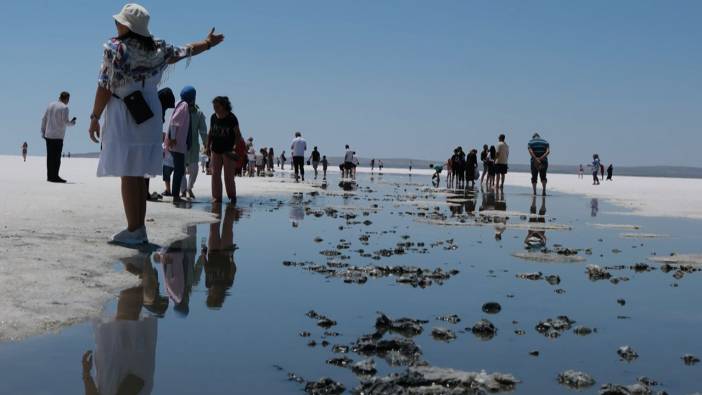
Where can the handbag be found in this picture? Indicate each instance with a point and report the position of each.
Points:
(137, 106)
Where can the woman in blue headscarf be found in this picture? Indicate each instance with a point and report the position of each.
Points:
(196, 134)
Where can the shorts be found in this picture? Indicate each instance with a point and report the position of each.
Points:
(167, 171)
(538, 171)
(315, 164)
(501, 168)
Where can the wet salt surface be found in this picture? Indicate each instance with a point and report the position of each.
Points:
(239, 328)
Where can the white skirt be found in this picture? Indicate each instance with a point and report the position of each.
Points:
(129, 149)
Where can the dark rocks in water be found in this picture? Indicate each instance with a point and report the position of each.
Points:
(414, 276)
(690, 359)
(484, 329)
(397, 351)
(322, 320)
(318, 239)
(311, 343)
(554, 327)
(443, 334)
(641, 267)
(365, 367)
(324, 386)
(450, 318)
(582, 330)
(530, 276)
(553, 279)
(596, 272)
(575, 379)
(433, 380)
(330, 252)
(304, 334)
(407, 327)
(633, 389)
(340, 361)
(491, 308)
(519, 332)
(627, 353)
(534, 353)
(340, 349)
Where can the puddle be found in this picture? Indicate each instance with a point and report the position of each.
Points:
(286, 291)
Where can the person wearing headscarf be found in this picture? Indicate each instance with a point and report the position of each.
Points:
(196, 134)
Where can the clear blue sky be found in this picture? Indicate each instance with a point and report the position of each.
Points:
(394, 78)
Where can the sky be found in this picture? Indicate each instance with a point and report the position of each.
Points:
(394, 79)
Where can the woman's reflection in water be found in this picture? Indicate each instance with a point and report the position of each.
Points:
(125, 347)
(536, 239)
(218, 259)
(179, 270)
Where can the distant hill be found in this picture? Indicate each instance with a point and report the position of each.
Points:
(401, 163)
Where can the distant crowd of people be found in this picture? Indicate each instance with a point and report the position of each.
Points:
(463, 169)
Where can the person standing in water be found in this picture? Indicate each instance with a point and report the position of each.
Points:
(315, 158)
(380, 167)
(484, 160)
(271, 157)
(471, 167)
(410, 168)
(539, 149)
(220, 146)
(372, 164)
(298, 148)
(610, 170)
(325, 164)
(25, 146)
(53, 130)
(131, 145)
(580, 171)
(501, 162)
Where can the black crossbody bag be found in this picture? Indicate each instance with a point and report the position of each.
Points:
(137, 106)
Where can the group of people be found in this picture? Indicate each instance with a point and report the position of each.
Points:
(462, 169)
(597, 168)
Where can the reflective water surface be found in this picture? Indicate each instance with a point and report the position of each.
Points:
(223, 310)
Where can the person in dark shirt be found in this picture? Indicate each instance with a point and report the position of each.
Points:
(221, 141)
(471, 166)
(315, 157)
(610, 170)
(539, 150)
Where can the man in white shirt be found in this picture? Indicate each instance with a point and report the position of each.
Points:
(53, 130)
(348, 162)
(501, 162)
(298, 147)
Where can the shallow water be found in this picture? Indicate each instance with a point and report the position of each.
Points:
(233, 317)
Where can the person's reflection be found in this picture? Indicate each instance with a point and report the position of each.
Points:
(219, 265)
(594, 207)
(488, 200)
(500, 200)
(297, 211)
(125, 348)
(536, 238)
(178, 262)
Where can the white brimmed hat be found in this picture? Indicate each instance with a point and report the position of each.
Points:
(136, 18)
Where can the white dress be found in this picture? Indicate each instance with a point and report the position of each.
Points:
(129, 149)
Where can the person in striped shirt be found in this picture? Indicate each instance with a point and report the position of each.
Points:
(539, 150)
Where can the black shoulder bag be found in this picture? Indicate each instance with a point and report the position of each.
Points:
(137, 106)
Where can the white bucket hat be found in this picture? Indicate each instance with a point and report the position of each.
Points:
(136, 18)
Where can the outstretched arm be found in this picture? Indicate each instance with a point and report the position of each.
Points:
(213, 39)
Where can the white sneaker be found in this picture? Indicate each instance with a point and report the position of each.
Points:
(130, 238)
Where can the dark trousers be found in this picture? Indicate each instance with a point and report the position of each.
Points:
(299, 164)
(53, 158)
(178, 172)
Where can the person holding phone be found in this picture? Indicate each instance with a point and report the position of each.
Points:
(53, 130)
(133, 63)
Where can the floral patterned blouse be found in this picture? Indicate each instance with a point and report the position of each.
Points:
(127, 61)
